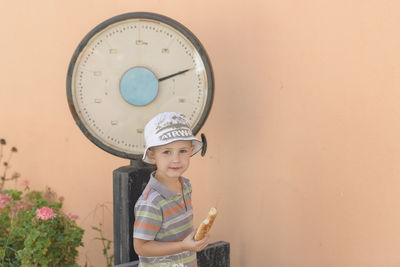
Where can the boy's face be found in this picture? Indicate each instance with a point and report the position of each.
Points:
(172, 160)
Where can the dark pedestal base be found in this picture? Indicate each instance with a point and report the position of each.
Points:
(128, 183)
(214, 255)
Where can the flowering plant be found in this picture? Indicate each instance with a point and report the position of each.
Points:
(34, 231)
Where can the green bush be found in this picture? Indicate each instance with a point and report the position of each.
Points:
(34, 231)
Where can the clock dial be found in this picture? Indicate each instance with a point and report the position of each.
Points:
(131, 68)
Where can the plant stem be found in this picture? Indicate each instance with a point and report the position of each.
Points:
(1, 152)
(8, 163)
(105, 247)
(5, 169)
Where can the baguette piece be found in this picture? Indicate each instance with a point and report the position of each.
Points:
(205, 226)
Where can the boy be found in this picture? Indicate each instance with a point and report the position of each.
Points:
(163, 231)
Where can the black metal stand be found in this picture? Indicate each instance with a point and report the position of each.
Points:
(128, 185)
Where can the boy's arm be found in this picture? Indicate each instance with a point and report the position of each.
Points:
(151, 248)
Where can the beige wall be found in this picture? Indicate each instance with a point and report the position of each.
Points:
(303, 136)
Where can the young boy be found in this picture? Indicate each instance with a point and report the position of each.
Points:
(163, 231)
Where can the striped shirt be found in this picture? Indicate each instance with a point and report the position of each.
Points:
(165, 216)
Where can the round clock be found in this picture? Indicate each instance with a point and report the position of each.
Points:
(130, 68)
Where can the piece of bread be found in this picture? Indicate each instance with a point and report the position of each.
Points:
(205, 226)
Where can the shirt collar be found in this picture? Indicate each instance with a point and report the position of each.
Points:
(162, 189)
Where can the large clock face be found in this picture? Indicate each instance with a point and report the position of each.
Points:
(130, 68)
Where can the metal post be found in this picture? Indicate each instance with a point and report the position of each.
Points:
(128, 185)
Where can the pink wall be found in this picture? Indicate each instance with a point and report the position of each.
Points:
(303, 135)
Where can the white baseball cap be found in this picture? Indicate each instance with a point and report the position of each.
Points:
(168, 127)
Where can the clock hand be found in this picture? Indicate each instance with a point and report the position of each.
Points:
(172, 75)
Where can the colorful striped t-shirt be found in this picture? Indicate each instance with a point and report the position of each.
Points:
(165, 216)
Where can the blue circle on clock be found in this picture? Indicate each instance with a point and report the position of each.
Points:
(139, 86)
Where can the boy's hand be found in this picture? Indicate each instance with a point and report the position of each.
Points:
(190, 244)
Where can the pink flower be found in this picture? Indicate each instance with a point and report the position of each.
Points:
(45, 213)
(73, 216)
(25, 182)
(4, 199)
(61, 198)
